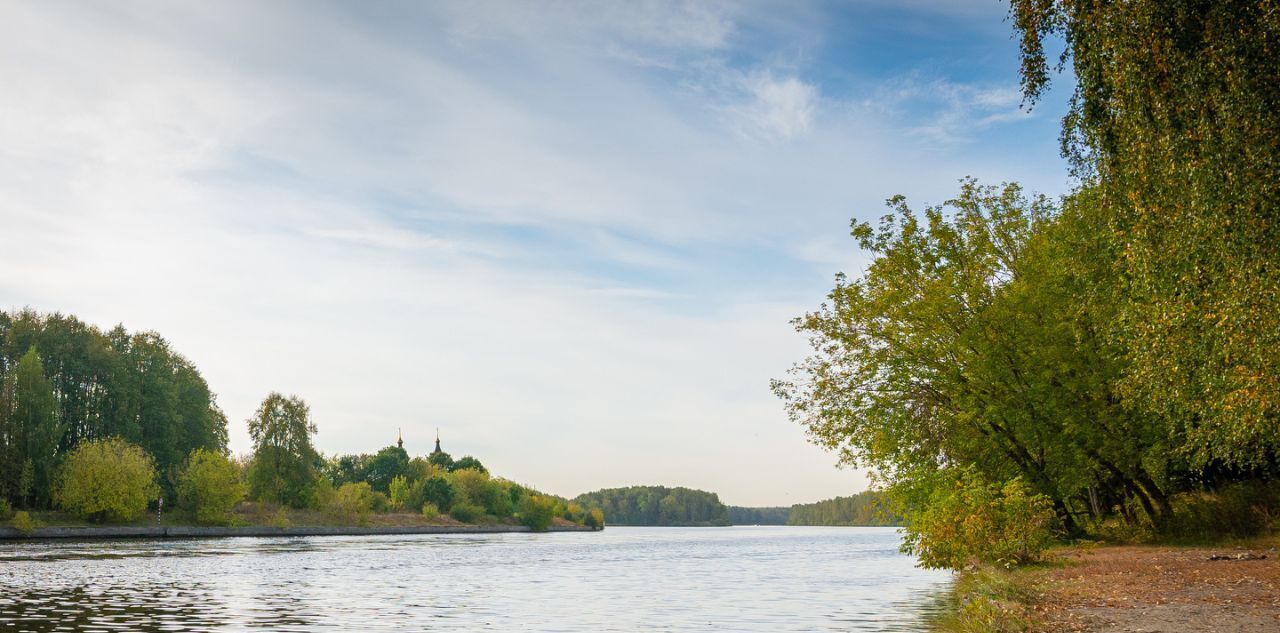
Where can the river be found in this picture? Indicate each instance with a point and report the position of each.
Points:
(621, 579)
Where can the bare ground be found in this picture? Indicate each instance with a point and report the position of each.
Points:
(1157, 589)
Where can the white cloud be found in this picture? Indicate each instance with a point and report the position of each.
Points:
(776, 109)
(529, 226)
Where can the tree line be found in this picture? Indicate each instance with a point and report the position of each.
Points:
(869, 508)
(63, 382)
(1107, 362)
(657, 505)
(102, 425)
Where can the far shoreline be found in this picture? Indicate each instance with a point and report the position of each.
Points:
(193, 531)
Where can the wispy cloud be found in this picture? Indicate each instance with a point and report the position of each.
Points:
(568, 233)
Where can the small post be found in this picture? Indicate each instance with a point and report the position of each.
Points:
(159, 509)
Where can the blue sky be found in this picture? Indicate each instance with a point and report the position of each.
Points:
(568, 234)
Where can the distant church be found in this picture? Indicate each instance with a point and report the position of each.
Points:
(400, 442)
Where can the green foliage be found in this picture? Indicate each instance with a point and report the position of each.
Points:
(6, 510)
(1173, 124)
(986, 600)
(386, 465)
(107, 480)
(209, 487)
(63, 382)
(441, 459)
(739, 515)
(430, 511)
(468, 462)
(967, 520)
(352, 503)
(863, 508)
(466, 512)
(537, 512)
(438, 491)
(23, 522)
(284, 461)
(657, 505)
(594, 519)
(400, 493)
(280, 519)
(1240, 510)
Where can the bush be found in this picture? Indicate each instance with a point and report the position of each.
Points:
(406, 495)
(23, 522)
(537, 511)
(353, 503)
(280, 519)
(470, 484)
(466, 512)
(209, 487)
(430, 511)
(5, 509)
(1238, 510)
(594, 519)
(968, 520)
(107, 480)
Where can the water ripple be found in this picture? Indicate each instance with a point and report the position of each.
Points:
(623, 579)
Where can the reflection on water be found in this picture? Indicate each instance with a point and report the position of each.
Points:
(622, 579)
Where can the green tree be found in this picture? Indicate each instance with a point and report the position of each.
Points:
(468, 462)
(34, 419)
(107, 480)
(386, 465)
(440, 493)
(284, 460)
(1173, 124)
(441, 459)
(209, 487)
(537, 512)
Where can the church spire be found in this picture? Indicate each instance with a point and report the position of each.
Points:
(437, 442)
(399, 438)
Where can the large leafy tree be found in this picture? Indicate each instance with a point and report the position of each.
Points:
(1175, 119)
(284, 466)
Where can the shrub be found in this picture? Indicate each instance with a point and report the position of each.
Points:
(399, 491)
(280, 519)
(352, 503)
(23, 522)
(1239, 510)
(537, 511)
(107, 480)
(470, 485)
(5, 509)
(967, 520)
(594, 519)
(466, 512)
(430, 511)
(209, 487)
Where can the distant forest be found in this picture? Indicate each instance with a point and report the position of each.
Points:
(864, 509)
(739, 515)
(657, 505)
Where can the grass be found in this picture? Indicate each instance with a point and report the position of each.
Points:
(988, 600)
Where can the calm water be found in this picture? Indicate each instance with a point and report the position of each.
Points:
(622, 579)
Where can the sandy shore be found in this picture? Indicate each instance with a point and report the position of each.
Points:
(1157, 589)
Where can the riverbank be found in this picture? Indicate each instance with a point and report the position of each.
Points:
(191, 531)
(1149, 588)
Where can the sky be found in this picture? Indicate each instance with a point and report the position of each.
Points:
(568, 235)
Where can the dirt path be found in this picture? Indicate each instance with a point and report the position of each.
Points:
(1162, 589)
